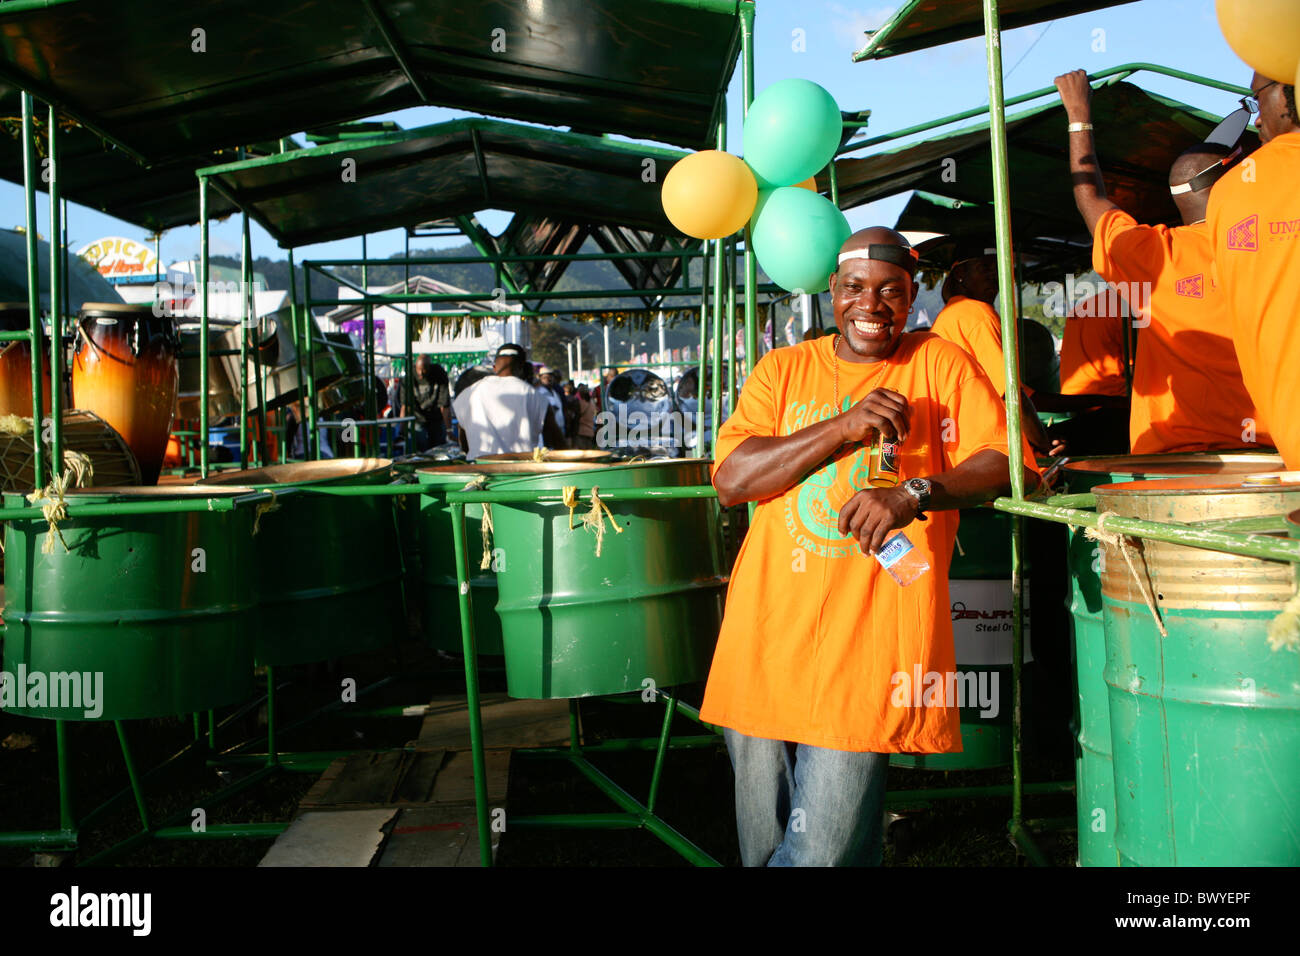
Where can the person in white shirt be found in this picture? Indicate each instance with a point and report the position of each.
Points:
(503, 412)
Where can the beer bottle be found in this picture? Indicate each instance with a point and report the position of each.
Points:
(883, 471)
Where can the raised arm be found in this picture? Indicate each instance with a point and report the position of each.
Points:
(1085, 170)
(763, 467)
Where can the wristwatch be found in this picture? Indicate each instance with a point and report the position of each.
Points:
(919, 488)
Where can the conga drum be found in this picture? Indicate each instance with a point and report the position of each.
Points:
(16, 365)
(125, 371)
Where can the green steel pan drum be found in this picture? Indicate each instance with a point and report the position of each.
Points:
(647, 609)
(436, 554)
(327, 569)
(560, 455)
(1205, 719)
(1094, 774)
(133, 615)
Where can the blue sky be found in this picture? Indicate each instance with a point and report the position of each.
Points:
(900, 92)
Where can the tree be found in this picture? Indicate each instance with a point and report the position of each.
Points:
(549, 346)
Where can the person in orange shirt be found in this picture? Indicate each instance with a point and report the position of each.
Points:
(1188, 393)
(1094, 378)
(825, 665)
(968, 320)
(1093, 351)
(1254, 218)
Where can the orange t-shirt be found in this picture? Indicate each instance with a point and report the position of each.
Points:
(1092, 347)
(816, 632)
(1255, 223)
(1187, 389)
(975, 326)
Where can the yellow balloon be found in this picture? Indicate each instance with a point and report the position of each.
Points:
(709, 194)
(1264, 33)
(809, 184)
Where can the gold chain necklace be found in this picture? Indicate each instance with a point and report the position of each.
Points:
(835, 360)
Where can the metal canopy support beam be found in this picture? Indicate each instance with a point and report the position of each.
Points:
(481, 241)
(397, 48)
(481, 163)
(1112, 75)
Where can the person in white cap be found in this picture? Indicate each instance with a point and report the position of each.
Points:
(546, 386)
(502, 412)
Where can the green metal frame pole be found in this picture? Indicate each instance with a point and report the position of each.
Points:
(33, 286)
(408, 368)
(1010, 352)
(67, 821)
(298, 349)
(311, 447)
(731, 325)
(702, 378)
(132, 776)
(369, 312)
(56, 306)
(250, 318)
(471, 683)
(670, 708)
(204, 347)
(751, 263)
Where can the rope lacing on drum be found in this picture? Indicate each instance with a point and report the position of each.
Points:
(485, 526)
(1116, 540)
(593, 520)
(263, 508)
(78, 471)
(541, 453)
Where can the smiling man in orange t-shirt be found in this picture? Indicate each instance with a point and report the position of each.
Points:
(812, 676)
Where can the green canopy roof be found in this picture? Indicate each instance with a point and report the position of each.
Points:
(919, 24)
(1042, 249)
(448, 170)
(101, 176)
(1138, 136)
(140, 73)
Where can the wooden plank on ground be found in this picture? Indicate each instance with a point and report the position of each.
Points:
(507, 722)
(455, 784)
(346, 838)
(434, 836)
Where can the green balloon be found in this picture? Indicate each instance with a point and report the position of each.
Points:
(797, 236)
(791, 132)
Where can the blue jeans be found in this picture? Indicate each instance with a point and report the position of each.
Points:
(798, 805)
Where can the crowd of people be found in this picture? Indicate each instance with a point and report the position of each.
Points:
(515, 407)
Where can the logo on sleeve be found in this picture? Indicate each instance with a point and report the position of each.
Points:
(1191, 286)
(1244, 235)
